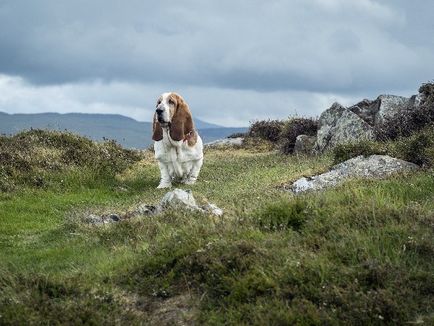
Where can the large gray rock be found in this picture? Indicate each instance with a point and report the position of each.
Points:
(375, 166)
(304, 144)
(389, 106)
(338, 125)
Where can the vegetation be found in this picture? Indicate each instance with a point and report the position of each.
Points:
(295, 127)
(417, 148)
(359, 254)
(30, 157)
(279, 133)
(266, 129)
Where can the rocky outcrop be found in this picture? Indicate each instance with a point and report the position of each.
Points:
(304, 144)
(375, 166)
(389, 106)
(177, 199)
(339, 125)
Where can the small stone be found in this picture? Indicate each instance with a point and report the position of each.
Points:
(94, 219)
(212, 209)
(179, 198)
(144, 209)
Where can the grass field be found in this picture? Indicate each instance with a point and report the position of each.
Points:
(359, 254)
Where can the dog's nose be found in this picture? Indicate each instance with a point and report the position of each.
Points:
(159, 111)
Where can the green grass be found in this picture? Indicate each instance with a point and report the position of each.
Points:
(359, 254)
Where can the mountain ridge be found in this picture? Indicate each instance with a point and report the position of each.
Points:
(97, 126)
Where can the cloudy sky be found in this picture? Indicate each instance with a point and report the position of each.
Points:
(233, 60)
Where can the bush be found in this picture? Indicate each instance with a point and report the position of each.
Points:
(407, 122)
(266, 129)
(237, 135)
(293, 128)
(418, 148)
(344, 152)
(29, 156)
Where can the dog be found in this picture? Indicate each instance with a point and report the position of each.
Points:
(177, 145)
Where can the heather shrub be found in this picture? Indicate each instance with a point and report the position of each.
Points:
(417, 148)
(30, 156)
(237, 135)
(293, 128)
(266, 129)
(344, 152)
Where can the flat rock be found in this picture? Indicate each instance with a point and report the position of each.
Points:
(372, 167)
(177, 199)
(226, 142)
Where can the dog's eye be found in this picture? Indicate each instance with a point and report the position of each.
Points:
(158, 102)
(171, 102)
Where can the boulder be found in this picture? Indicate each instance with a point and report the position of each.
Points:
(389, 106)
(339, 125)
(366, 110)
(374, 166)
(304, 144)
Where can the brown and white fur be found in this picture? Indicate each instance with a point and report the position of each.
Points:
(178, 147)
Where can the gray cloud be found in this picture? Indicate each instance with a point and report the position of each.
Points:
(329, 48)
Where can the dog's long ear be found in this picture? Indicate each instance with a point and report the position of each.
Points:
(182, 122)
(158, 131)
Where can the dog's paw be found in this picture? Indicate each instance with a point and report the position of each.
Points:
(189, 181)
(164, 185)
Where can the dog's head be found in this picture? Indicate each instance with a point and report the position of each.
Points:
(172, 112)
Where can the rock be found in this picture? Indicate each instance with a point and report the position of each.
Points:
(304, 144)
(94, 219)
(144, 209)
(226, 142)
(389, 106)
(374, 166)
(112, 218)
(338, 125)
(366, 110)
(176, 199)
(104, 219)
(212, 209)
(179, 198)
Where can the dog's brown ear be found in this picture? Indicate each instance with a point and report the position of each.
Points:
(157, 130)
(182, 122)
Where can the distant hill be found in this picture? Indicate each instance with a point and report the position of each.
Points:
(128, 132)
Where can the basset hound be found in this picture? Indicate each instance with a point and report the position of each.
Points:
(178, 147)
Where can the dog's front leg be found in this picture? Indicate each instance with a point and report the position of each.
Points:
(194, 172)
(166, 179)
